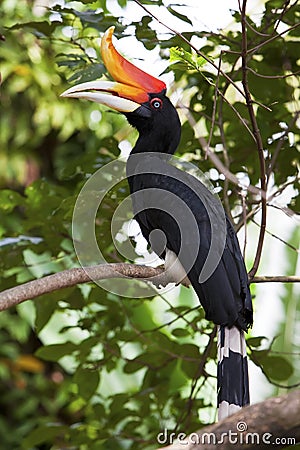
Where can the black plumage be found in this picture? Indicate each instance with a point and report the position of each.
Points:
(162, 190)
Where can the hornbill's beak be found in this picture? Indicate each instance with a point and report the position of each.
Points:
(131, 88)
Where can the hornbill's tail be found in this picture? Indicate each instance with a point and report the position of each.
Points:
(233, 384)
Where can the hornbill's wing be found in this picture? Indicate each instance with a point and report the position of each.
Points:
(187, 213)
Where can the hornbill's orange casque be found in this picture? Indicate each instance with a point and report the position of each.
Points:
(159, 193)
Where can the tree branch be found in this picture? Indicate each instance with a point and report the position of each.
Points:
(274, 422)
(275, 279)
(68, 278)
(71, 277)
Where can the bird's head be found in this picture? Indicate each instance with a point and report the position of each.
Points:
(138, 95)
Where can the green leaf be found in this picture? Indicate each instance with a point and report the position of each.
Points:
(71, 60)
(191, 60)
(190, 358)
(43, 434)
(87, 382)
(145, 34)
(54, 352)
(44, 308)
(86, 346)
(89, 73)
(278, 368)
(179, 16)
(180, 332)
(275, 367)
(9, 200)
(256, 341)
(39, 28)
(40, 265)
(75, 298)
(88, 17)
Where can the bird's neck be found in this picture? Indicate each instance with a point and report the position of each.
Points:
(166, 143)
(148, 156)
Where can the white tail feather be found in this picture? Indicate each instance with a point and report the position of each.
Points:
(233, 385)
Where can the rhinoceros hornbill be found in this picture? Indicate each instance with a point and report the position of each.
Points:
(181, 219)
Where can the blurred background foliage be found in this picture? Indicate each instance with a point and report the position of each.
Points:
(83, 368)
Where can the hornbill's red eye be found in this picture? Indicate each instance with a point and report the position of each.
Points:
(156, 103)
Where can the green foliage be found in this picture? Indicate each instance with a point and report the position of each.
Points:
(87, 368)
(189, 60)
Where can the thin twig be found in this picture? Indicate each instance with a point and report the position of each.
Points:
(275, 77)
(278, 238)
(284, 209)
(255, 30)
(262, 44)
(226, 159)
(173, 308)
(172, 321)
(244, 221)
(284, 9)
(213, 118)
(259, 142)
(77, 44)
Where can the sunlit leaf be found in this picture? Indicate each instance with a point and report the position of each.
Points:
(191, 60)
(9, 200)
